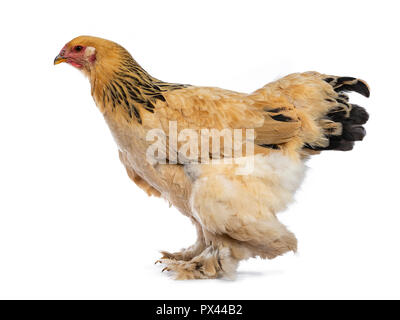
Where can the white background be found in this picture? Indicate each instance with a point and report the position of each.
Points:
(72, 224)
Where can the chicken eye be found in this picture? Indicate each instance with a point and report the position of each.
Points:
(78, 48)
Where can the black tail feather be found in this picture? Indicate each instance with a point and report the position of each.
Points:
(353, 132)
(358, 115)
(348, 84)
(351, 116)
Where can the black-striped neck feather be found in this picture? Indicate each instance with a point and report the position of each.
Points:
(131, 89)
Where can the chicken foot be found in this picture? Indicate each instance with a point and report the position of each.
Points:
(212, 262)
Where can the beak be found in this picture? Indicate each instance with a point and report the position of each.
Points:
(59, 59)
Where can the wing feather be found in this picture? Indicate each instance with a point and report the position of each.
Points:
(274, 121)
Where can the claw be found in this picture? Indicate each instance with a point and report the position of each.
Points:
(162, 260)
(165, 269)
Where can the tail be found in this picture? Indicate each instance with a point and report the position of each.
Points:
(342, 124)
(328, 120)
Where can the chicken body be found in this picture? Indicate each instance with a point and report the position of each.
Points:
(233, 207)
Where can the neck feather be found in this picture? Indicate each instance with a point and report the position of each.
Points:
(122, 85)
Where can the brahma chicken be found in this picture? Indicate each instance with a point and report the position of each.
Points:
(233, 204)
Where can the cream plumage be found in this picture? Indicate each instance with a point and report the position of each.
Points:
(233, 208)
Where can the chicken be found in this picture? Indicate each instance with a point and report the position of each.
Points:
(233, 204)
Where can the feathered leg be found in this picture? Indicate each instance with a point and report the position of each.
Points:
(237, 217)
(213, 262)
(190, 252)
